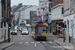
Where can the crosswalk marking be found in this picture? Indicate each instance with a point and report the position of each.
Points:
(35, 44)
(44, 42)
(26, 42)
(38, 42)
(32, 42)
(24, 35)
(50, 42)
(20, 42)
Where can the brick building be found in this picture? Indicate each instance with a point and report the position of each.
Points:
(55, 2)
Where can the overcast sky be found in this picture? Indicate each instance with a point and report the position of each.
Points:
(25, 2)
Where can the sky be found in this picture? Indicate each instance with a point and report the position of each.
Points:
(25, 2)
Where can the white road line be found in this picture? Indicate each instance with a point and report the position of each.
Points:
(44, 42)
(19, 35)
(50, 42)
(24, 35)
(35, 44)
(20, 42)
(26, 42)
(38, 42)
(32, 42)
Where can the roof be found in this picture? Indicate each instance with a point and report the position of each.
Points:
(21, 8)
(57, 6)
(17, 7)
(24, 7)
(27, 7)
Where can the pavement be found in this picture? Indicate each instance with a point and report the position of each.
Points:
(3, 46)
(65, 45)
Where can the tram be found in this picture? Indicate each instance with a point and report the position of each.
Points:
(39, 30)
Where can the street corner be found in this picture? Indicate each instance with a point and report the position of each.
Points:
(6, 45)
(64, 45)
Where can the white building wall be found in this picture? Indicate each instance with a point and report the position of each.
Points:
(56, 13)
(70, 18)
(27, 12)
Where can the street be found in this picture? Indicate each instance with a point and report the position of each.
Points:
(27, 42)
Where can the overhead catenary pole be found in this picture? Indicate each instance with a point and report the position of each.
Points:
(9, 18)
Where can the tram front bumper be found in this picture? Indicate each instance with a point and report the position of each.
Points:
(40, 37)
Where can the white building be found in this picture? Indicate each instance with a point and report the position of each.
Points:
(25, 14)
(56, 12)
(69, 19)
(56, 16)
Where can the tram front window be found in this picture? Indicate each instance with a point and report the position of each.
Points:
(41, 29)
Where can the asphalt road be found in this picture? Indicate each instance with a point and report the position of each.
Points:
(27, 42)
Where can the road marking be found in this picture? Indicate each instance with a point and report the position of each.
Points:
(44, 42)
(35, 44)
(26, 42)
(19, 35)
(24, 35)
(50, 42)
(20, 42)
(38, 42)
(32, 42)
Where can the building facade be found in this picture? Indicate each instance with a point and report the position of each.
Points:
(56, 17)
(44, 4)
(29, 13)
(55, 2)
(3, 22)
(69, 19)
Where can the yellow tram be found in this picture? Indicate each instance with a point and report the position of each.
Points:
(40, 31)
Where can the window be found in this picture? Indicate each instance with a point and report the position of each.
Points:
(62, 10)
(41, 29)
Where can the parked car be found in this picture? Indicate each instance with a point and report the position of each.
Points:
(13, 31)
(24, 31)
